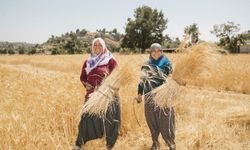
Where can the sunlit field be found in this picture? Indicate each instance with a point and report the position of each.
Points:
(41, 98)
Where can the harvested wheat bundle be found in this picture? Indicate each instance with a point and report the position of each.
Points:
(242, 119)
(198, 61)
(165, 95)
(162, 95)
(103, 96)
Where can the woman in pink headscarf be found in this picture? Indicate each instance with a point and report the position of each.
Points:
(96, 68)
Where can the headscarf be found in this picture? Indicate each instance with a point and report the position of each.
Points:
(97, 60)
(155, 46)
(161, 61)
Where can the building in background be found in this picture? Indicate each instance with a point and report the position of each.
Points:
(246, 47)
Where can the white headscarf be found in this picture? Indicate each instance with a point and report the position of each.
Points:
(97, 60)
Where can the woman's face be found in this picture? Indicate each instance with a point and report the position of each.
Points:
(155, 53)
(97, 48)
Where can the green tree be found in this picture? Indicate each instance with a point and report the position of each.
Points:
(11, 51)
(193, 32)
(56, 51)
(115, 35)
(31, 51)
(171, 43)
(21, 50)
(101, 32)
(70, 47)
(73, 44)
(145, 29)
(77, 31)
(10, 48)
(229, 37)
(3, 51)
(83, 32)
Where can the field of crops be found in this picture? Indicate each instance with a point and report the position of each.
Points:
(41, 98)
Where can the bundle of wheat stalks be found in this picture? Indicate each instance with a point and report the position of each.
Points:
(165, 94)
(197, 61)
(103, 96)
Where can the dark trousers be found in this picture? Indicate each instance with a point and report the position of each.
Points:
(92, 127)
(160, 121)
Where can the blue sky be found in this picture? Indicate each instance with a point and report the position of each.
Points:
(36, 20)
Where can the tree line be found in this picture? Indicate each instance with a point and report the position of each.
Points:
(146, 27)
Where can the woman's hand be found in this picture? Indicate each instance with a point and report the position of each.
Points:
(139, 98)
(114, 90)
(87, 86)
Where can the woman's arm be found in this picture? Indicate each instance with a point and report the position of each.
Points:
(140, 89)
(168, 68)
(112, 65)
(140, 92)
(83, 76)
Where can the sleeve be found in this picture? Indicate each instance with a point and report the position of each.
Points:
(112, 65)
(168, 68)
(141, 85)
(83, 76)
(140, 88)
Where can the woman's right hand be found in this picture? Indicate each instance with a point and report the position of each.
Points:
(87, 86)
(139, 98)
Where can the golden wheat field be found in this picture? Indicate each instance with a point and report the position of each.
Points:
(41, 99)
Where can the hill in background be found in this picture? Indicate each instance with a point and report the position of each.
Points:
(69, 43)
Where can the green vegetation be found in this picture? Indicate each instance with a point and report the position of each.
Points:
(229, 36)
(145, 29)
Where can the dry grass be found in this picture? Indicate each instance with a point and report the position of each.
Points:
(41, 99)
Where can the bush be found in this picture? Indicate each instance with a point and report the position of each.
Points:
(21, 51)
(56, 51)
(11, 51)
(86, 44)
(3, 51)
(83, 32)
(32, 51)
(88, 50)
